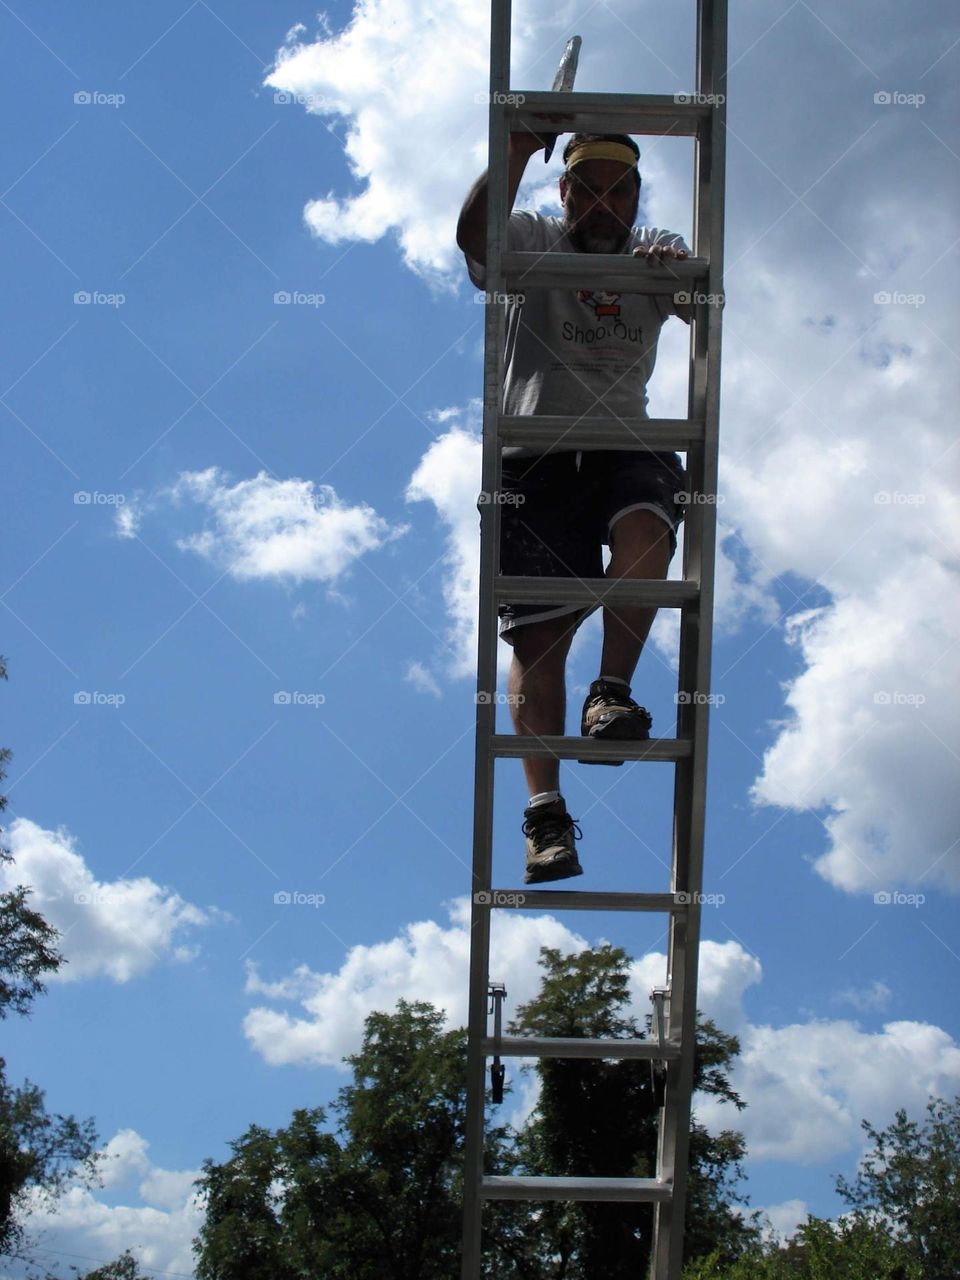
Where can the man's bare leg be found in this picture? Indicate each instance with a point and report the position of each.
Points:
(537, 688)
(640, 549)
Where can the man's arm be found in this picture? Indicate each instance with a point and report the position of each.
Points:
(472, 224)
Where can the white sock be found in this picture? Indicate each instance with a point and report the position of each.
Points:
(543, 797)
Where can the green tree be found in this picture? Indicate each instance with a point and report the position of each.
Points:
(599, 1118)
(903, 1221)
(378, 1193)
(379, 1197)
(38, 1151)
(910, 1181)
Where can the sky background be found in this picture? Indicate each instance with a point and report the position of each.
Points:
(239, 566)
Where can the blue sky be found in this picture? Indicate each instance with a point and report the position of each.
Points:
(276, 498)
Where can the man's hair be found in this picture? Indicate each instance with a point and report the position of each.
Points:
(624, 138)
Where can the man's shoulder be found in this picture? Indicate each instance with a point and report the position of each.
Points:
(530, 230)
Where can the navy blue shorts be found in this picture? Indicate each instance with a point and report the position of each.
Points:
(557, 510)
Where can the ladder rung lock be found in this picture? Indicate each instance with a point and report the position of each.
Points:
(581, 900)
(642, 1189)
(641, 592)
(568, 433)
(615, 272)
(560, 1047)
(608, 112)
(509, 746)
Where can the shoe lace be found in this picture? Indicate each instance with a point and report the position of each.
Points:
(608, 697)
(551, 828)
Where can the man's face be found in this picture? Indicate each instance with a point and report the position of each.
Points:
(600, 204)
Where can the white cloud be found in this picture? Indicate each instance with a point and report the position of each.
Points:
(867, 999)
(407, 83)
(115, 928)
(158, 1230)
(425, 960)
(807, 1085)
(785, 1217)
(421, 679)
(288, 529)
(448, 475)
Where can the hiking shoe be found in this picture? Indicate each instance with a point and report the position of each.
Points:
(551, 852)
(610, 713)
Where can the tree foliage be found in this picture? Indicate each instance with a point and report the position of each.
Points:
(903, 1221)
(376, 1198)
(599, 1118)
(377, 1193)
(39, 1152)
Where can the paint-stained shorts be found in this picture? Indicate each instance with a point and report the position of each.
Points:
(557, 510)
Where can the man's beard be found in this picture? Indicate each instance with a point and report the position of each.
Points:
(603, 235)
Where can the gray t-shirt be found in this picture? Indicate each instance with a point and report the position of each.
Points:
(578, 351)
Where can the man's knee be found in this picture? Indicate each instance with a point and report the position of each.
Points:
(639, 531)
(547, 641)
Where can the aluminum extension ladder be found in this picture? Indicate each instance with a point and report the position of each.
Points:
(701, 116)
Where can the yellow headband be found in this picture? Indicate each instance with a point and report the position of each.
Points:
(602, 151)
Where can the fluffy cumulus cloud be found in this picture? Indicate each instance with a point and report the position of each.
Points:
(154, 1212)
(840, 353)
(424, 958)
(807, 1085)
(288, 529)
(448, 476)
(113, 928)
(407, 84)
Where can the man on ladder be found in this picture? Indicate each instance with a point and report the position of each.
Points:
(591, 354)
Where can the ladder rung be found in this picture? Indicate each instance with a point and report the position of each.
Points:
(656, 593)
(579, 900)
(601, 433)
(608, 112)
(521, 746)
(560, 1047)
(645, 1189)
(615, 272)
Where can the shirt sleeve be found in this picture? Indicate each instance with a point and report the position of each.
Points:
(526, 233)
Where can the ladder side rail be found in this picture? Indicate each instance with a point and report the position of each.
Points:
(480, 917)
(695, 658)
